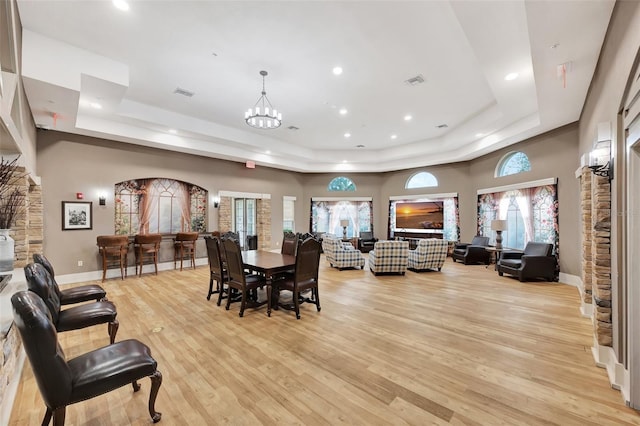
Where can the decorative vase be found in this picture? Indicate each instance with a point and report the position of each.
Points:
(7, 251)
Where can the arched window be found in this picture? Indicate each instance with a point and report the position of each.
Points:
(513, 163)
(159, 205)
(421, 180)
(341, 183)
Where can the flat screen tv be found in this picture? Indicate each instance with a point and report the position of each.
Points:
(419, 215)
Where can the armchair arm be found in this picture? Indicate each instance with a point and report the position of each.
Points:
(476, 249)
(461, 245)
(510, 254)
(539, 262)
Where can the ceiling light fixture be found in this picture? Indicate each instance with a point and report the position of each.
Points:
(95, 105)
(343, 111)
(347, 135)
(337, 70)
(394, 136)
(263, 115)
(121, 4)
(407, 118)
(511, 76)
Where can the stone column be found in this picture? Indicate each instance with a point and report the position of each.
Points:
(224, 215)
(264, 224)
(601, 258)
(587, 261)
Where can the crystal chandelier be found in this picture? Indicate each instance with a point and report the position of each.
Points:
(263, 115)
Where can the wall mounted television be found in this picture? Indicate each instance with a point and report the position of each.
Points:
(419, 215)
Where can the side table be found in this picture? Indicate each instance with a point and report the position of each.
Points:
(495, 255)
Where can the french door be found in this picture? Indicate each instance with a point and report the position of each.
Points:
(244, 210)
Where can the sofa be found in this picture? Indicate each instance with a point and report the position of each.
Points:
(389, 257)
(536, 261)
(341, 254)
(430, 254)
(473, 252)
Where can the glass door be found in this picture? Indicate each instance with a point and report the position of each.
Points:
(244, 218)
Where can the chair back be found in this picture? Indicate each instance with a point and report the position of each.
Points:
(366, 235)
(39, 258)
(39, 282)
(538, 249)
(40, 341)
(235, 265)
(289, 243)
(113, 245)
(148, 239)
(215, 258)
(187, 236)
(230, 235)
(307, 261)
(480, 241)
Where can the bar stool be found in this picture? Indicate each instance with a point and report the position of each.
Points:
(113, 249)
(146, 247)
(185, 245)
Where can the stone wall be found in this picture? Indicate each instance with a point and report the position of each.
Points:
(587, 264)
(10, 345)
(601, 258)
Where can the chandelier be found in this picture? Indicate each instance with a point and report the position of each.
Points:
(263, 115)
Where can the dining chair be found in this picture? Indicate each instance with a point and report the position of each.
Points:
(239, 280)
(146, 248)
(77, 294)
(289, 243)
(184, 244)
(64, 382)
(113, 249)
(217, 270)
(76, 317)
(303, 279)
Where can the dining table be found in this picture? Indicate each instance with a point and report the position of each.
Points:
(269, 264)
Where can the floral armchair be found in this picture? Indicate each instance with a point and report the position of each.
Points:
(430, 254)
(340, 254)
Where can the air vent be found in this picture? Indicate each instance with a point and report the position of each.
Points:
(293, 128)
(360, 146)
(183, 92)
(414, 81)
(442, 126)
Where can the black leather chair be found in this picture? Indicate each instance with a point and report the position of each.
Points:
(366, 241)
(303, 279)
(94, 373)
(69, 296)
(217, 270)
(86, 315)
(536, 261)
(474, 252)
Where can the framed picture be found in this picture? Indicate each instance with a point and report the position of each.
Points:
(77, 215)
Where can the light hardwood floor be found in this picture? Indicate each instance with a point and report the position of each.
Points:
(461, 347)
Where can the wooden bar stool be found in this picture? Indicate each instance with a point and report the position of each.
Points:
(146, 247)
(185, 245)
(113, 249)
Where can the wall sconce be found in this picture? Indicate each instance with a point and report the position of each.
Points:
(499, 226)
(600, 161)
(216, 202)
(344, 223)
(102, 200)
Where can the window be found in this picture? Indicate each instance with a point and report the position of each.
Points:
(159, 205)
(341, 183)
(288, 214)
(421, 180)
(326, 216)
(513, 163)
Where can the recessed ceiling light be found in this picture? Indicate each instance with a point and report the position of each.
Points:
(407, 117)
(337, 70)
(479, 135)
(121, 4)
(95, 105)
(173, 131)
(344, 161)
(394, 136)
(511, 76)
(267, 152)
(343, 111)
(347, 135)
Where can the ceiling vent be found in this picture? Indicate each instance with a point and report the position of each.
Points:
(442, 126)
(293, 128)
(183, 92)
(414, 81)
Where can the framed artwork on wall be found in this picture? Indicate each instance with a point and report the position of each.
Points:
(77, 215)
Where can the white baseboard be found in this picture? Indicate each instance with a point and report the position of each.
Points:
(115, 273)
(586, 309)
(605, 357)
(10, 392)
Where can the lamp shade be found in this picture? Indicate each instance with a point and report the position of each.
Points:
(499, 225)
(344, 222)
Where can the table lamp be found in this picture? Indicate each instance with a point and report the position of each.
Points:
(499, 226)
(344, 223)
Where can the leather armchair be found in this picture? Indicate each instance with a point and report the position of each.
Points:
(366, 242)
(94, 373)
(76, 317)
(536, 261)
(77, 294)
(474, 252)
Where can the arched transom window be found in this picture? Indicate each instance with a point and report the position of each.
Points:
(341, 183)
(513, 163)
(421, 180)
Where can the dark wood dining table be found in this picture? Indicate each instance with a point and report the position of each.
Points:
(269, 264)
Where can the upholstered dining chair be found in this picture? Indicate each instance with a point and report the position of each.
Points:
(184, 245)
(289, 243)
(76, 317)
(217, 269)
(113, 250)
(303, 279)
(146, 248)
(239, 280)
(64, 382)
(77, 294)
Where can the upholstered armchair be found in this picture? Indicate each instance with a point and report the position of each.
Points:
(389, 257)
(536, 261)
(341, 255)
(473, 252)
(430, 254)
(366, 241)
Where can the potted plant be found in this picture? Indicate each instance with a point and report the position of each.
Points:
(12, 198)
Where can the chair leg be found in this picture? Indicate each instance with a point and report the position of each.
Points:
(155, 262)
(112, 327)
(181, 256)
(156, 381)
(315, 290)
(59, 415)
(228, 299)
(104, 267)
(243, 303)
(210, 289)
(296, 302)
(47, 417)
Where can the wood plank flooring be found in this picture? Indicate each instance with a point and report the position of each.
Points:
(460, 347)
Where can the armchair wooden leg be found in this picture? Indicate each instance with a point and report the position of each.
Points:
(112, 328)
(136, 386)
(47, 417)
(59, 415)
(156, 381)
